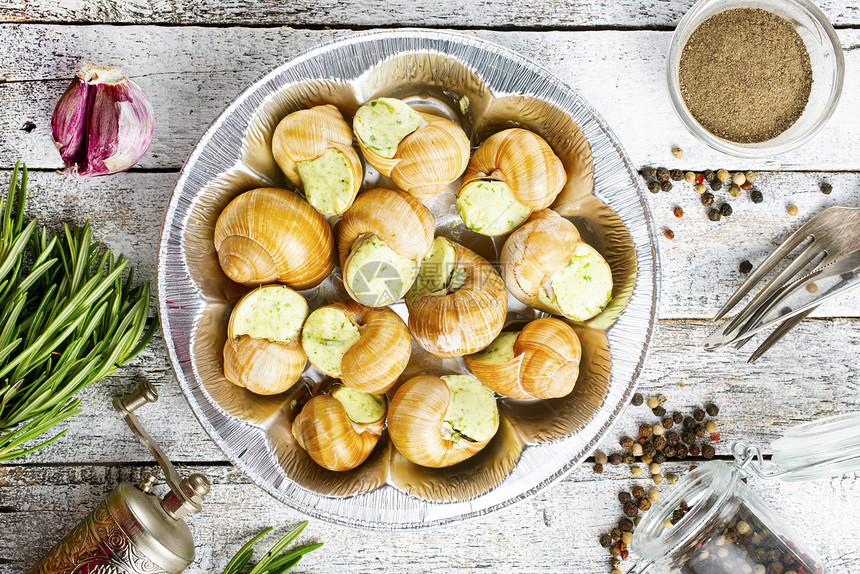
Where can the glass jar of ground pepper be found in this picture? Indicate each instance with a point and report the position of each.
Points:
(713, 523)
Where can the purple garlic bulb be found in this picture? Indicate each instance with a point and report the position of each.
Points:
(103, 124)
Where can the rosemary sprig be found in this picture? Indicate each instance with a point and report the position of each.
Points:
(273, 561)
(67, 319)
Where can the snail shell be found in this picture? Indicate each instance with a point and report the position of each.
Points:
(268, 234)
(325, 431)
(418, 427)
(306, 135)
(262, 365)
(545, 362)
(467, 314)
(534, 257)
(396, 219)
(373, 362)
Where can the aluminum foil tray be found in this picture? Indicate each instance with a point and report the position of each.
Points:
(485, 88)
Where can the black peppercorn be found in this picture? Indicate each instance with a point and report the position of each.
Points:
(681, 452)
(672, 438)
(676, 175)
(614, 551)
(716, 185)
(625, 442)
(756, 196)
(700, 431)
(677, 417)
(625, 525)
(615, 534)
(725, 210)
(826, 188)
(647, 172)
(684, 506)
(709, 175)
(669, 451)
(659, 457)
(714, 215)
(666, 186)
(654, 186)
(694, 450)
(659, 442)
(600, 457)
(688, 437)
(649, 450)
(597, 468)
(658, 411)
(712, 409)
(637, 399)
(615, 459)
(638, 491)
(689, 423)
(605, 540)
(707, 199)
(667, 423)
(628, 458)
(644, 440)
(631, 509)
(644, 503)
(662, 174)
(698, 414)
(677, 515)
(708, 452)
(624, 497)
(745, 267)
(645, 430)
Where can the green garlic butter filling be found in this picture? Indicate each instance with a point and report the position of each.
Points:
(326, 337)
(435, 273)
(378, 275)
(472, 411)
(490, 208)
(327, 182)
(583, 287)
(382, 124)
(361, 408)
(501, 350)
(273, 313)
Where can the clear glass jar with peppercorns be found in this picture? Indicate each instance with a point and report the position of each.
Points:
(713, 523)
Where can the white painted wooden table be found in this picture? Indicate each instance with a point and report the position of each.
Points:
(194, 57)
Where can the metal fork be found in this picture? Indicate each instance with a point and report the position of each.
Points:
(835, 234)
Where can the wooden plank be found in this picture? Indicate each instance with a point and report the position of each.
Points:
(460, 13)
(621, 73)
(555, 531)
(811, 374)
(699, 267)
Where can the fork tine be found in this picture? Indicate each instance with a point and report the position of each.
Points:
(778, 334)
(766, 266)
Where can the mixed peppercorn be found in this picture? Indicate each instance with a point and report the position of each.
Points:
(672, 436)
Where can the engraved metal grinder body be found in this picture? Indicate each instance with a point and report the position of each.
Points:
(133, 531)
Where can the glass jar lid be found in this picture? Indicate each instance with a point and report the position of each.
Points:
(825, 448)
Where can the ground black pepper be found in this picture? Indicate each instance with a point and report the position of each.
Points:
(758, 50)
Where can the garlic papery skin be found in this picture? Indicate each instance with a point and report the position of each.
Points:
(422, 153)
(103, 123)
(381, 241)
(313, 148)
(546, 265)
(262, 352)
(366, 348)
(268, 234)
(520, 174)
(325, 430)
(431, 419)
(541, 361)
(458, 303)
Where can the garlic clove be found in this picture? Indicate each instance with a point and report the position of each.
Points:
(103, 123)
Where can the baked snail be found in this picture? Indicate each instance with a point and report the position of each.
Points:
(339, 430)
(547, 265)
(541, 361)
(313, 148)
(440, 421)
(262, 352)
(381, 241)
(267, 235)
(512, 174)
(421, 153)
(367, 349)
(458, 303)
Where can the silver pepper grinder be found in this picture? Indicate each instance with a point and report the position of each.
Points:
(133, 531)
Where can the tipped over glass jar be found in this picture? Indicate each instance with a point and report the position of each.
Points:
(713, 523)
